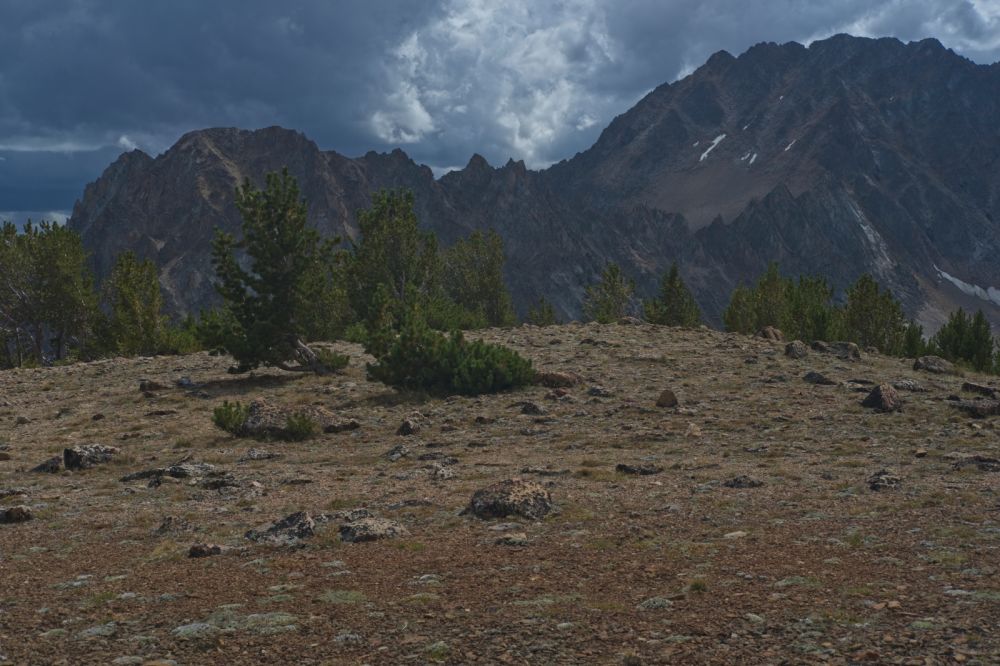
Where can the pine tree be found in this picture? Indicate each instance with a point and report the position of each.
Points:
(542, 314)
(267, 301)
(675, 305)
(810, 312)
(913, 344)
(739, 316)
(132, 292)
(609, 300)
(473, 278)
(770, 303)
(873, 318)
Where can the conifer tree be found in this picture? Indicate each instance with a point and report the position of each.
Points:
(473, 278)
(873, 318)
(136, 323)
(609, 300)
(542, 313)
(739, 316)
(267, 300)
(674, 306)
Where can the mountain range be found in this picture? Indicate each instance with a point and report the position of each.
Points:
(848, 156)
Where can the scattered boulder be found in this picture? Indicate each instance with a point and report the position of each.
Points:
(820, 346)
(267, 420)
(979, 408)
(12, 492)
(644, 469)
(342, 426)
(667, 399)
(397, 452)
(22, 420)
(598, 392)
(51, 466)
(16, 514)
(511, 497)
(288, 531)
(771, 333)
(813, 377)
(981, 462)
(408, 427)
(883, 398)
(743, 481)
(207, 550)
(935, 365)
(89, 455)
(847, 351)
(259, 454)
(883, 480)
(512, 539)
(371, 529)
(911, 385)
(149, 385)
(531, 409)
(173, 525)
(796, 349)
(557, 379)
(630, 321)
(183, 470)
(988, 391)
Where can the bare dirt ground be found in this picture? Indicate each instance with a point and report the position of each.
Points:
(811, 566)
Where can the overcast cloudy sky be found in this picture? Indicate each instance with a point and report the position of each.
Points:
(83, 80)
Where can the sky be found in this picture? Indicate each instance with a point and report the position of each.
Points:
(81, 81)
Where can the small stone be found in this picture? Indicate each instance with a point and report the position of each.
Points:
(288, 531)
(511, 497)
(557, 379)
(796, 349)
(813, 377)
(343, 426)
(16, 514)
(909, 385)
(513, 539)
(655, 603)
(408, 427)
(667, 399)
(920, 453)
(883, 398)
(259, 454)
(397, 452)
(149, 385)
(21, 420)
(206, 550)
(644, 469)
(100, 631)
(371, 529)
(883, 480)
(531, 409)
(738, 534)
(743, 481)
(598, 392)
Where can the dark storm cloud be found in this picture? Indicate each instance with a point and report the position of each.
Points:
(82, 80)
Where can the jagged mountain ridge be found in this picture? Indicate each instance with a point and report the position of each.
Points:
(852, 155)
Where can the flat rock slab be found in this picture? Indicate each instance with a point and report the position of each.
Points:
(288, 531)
(644, 469)
(935, 365)
(979, 408)
(511, 497)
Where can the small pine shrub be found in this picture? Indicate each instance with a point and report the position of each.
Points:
(331, 359)
(299, 427)
(230, 416)
(420, 358)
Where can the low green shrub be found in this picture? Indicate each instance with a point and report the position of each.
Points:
(419, 358)
(331, 359)
(230, 416)
(299, 427)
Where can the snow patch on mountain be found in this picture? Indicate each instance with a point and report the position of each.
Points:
(990, 294)
(715, 142)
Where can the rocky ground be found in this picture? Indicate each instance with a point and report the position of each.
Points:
(762, 519)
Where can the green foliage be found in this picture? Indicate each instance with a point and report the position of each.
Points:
(675, 305)
(331, 359)
(913, 341)
(47, 301)
(300, 427)
(132, 292)
(542, 314)
(394, 265)
(609, 300)
(473, 278)
(268, 305)
(419, 358)
(810, 314)
(230, 416)
(739, 316)
(966, 340)
(873, 318)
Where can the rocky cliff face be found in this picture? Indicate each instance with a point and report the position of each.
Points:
(850, 156)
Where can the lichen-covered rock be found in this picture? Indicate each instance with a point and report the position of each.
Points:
(288, 531)
(371, 529)
(511, 497)
(207, 550)
(89, 455)
(847, 351)
(796, 349)
(935, 365)
(408, 427)
(883, 398)
(16, 514)
(268, 420)
(979, 408)
(883, 480)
